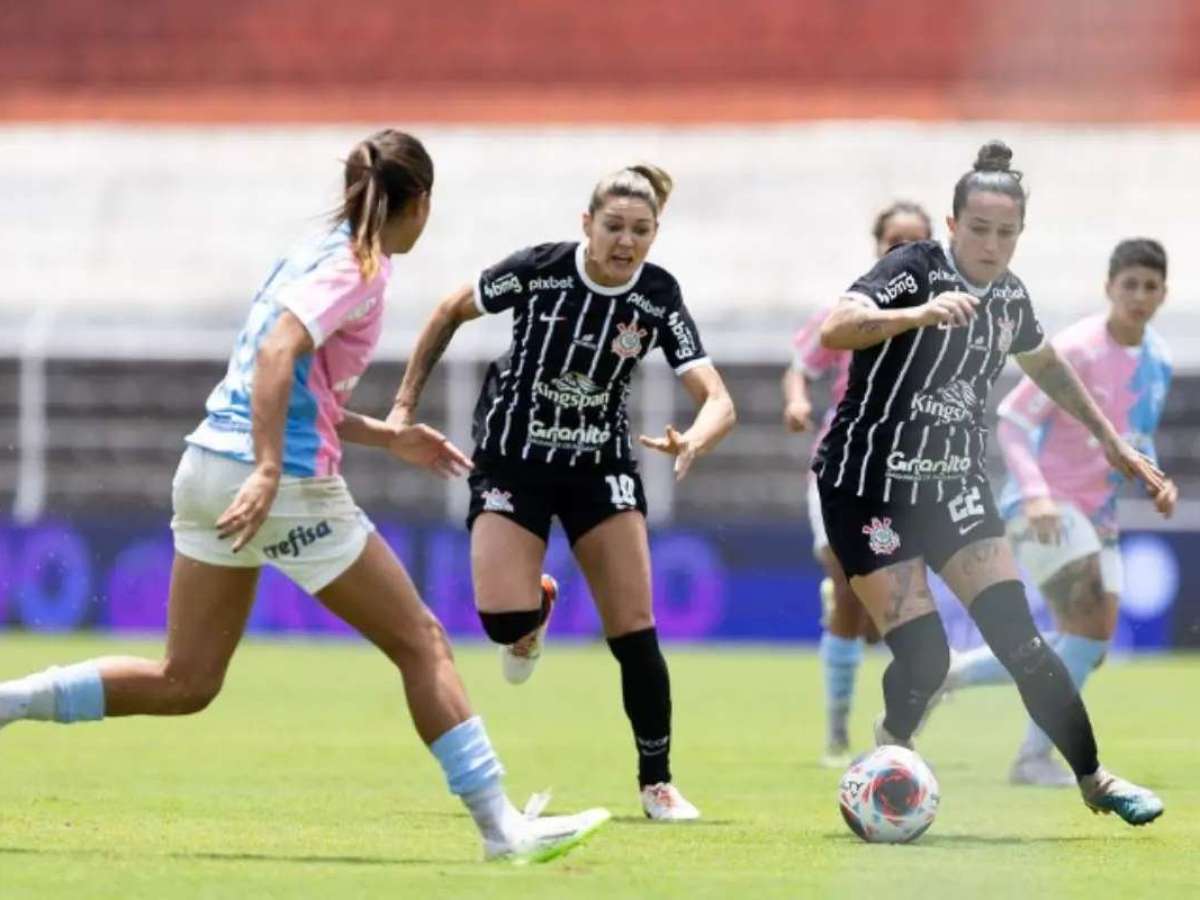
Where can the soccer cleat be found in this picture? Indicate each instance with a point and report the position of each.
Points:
(540, 840)
(517, 661)
(1105, 793)
(1042, 770)
(883, 737)
(836, 755)
(662, 802)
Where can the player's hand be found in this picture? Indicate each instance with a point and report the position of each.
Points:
(1045, 519)
(951, 309)
(675, 444)
(428, 448)
(1133, 464)
(797, 416)
(250, 508)
(1165, 499)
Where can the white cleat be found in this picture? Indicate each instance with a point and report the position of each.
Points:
(884, 738)
(540, 840)
(517, 661)
(662, 802)
(1040, 771)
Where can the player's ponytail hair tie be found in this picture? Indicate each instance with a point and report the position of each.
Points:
(992, 172)
(644, 181)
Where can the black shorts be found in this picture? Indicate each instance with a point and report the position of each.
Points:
(530, 494)
(868, 534)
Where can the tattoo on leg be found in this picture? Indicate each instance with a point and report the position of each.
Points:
(979, 557)
(1076, 591)
(902, 591)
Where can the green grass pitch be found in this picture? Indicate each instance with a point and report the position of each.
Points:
(305, 779)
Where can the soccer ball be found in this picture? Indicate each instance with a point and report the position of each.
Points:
(889, 796)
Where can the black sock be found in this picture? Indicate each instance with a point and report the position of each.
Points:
(1053, 702)
(646, 692)
(920, 658)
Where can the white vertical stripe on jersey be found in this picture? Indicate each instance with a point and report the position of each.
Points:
(496, 401)
(537, 374)
(862, 408)
(887, 486)
(591, 373)
(950, 431)
(887, 480)
(516, 382)
(887, 412)
(587, 302)
(920, 450)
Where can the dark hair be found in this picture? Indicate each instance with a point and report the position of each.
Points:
(900, 208)
(992, 173)
(644, 181)
(1138, 252)
(383, 173)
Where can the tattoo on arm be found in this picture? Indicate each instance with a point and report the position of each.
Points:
(430, 347)
(1060, 382)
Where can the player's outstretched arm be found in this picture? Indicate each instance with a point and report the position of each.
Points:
(857, 323)
(451, 312)
(715, 418)
(418, 444)
(1059, 381)
(797, 407)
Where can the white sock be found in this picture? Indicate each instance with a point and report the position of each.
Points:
(31, 697)
(495, 816)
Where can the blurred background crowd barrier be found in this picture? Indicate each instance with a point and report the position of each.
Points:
(156, 157)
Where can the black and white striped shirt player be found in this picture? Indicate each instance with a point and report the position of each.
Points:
(559, 396)
(910, 427)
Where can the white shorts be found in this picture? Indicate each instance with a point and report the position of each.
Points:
(1079, 539)
(815, 520)
(313, 533)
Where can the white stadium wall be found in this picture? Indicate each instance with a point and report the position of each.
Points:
(139, 225)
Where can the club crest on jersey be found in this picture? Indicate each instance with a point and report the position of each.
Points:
(496, 500)
(881, 537)
(1004, 342)
(628, 342)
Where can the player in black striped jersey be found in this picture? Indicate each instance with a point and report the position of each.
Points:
(552, 439)
(901, 471)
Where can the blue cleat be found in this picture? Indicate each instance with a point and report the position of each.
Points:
(1105, 793)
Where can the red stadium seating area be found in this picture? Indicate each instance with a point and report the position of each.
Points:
(673, 60)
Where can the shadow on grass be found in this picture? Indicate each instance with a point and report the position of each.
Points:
(698, 823)
(972, 840)
(243, 857)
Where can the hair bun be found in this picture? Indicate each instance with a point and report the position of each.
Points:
(994, 156)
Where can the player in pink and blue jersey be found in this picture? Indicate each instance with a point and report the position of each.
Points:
(844, 621)
(1061, 498)
(259, 485)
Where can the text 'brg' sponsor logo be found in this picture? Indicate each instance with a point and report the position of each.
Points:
(919, 468)
(504, 284)
(685, 338)
(904, 283)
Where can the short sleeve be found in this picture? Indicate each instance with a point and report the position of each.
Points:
(812, 359)
(681, 339)
(1028, 335)
(333, 294)
(898, 280)
(502, 286)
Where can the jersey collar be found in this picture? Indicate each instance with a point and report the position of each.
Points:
(600, 288)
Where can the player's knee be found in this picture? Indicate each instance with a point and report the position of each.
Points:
(191, 689)
(1002, 614)
(509, 627)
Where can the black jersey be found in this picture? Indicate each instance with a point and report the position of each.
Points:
(912, 416)
(559, 395)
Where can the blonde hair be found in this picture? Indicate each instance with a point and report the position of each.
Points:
(383, 173)
(644, 181)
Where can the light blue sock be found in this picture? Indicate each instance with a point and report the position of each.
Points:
(977, 667)
(467, 758)
(840, 658)
(78, 693)
(1080, 655)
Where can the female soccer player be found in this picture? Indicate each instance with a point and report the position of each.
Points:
(844, 620)
(259, 485)
(901, 471)
(1061, 498)
(552, 439)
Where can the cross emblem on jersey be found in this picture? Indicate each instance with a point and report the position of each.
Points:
(628, 342)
